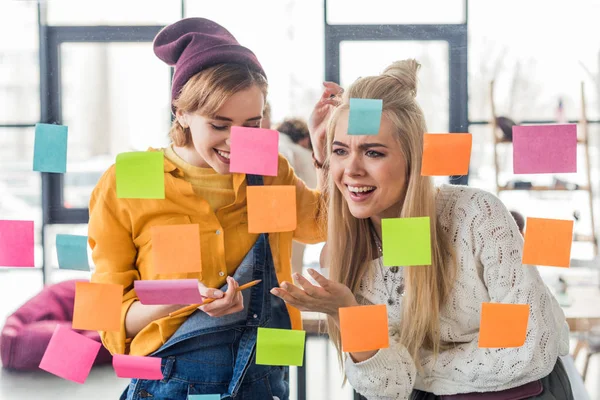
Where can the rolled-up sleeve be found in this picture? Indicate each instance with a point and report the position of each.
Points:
(310, 205)
(113, 253)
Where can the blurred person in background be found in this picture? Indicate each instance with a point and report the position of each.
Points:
(294, 145)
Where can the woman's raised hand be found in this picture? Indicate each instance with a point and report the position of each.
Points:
(319, 118)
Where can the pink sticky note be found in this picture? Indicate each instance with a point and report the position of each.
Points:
(254, 151)
(137, 367)
(172, 291)
(545, 149)
(70, 355)
(16, 243)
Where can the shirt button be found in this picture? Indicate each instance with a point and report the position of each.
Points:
(218, 232)
(221, 273)
(255, 316)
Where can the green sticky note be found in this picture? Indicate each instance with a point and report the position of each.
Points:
(406, 241)
(140, 175)
(280, 347)
(204, 397)
(365, 116)
(72, 252)
(50, 148)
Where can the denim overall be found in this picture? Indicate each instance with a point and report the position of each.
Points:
(216, 355)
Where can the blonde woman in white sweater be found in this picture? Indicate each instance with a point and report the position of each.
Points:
(433, 311)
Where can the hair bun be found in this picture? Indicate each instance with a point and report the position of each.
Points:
(405, 73)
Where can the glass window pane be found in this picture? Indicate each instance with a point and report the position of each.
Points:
(533, 68)
(116, 98)
(363, 58)
(19, 66)
(20, 186)
(290, 46)
(113, 12)
(395, 12)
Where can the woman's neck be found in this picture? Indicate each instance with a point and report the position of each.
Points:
(376, 222)
(190, 156)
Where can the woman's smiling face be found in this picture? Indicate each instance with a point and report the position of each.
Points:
(210, 135)
(369, 171)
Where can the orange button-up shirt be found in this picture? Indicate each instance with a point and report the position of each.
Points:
(120, 238)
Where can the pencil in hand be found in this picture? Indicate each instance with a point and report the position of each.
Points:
(210, 300)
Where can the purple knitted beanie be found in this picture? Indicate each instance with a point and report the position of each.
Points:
(194, 44)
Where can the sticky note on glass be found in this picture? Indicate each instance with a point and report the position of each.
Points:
(446, 154)
(548, 242)
(204, 397)
(97, 306)
(137, 367)
(364, 328)
(280, 347)
(503, 325)
(16, 243)
(168, 291)
(176, 248)
(72, 252)
(50, 148)
(365, 116)
(545, 149)
(254, 151)
(140, 175)
(271, 209)
(70, 355)
(406, 241)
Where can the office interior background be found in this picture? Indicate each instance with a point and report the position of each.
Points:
(89, 65)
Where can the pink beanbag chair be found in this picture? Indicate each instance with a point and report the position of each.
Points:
(27, 332)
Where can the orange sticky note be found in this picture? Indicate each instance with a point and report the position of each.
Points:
(503, 325)
(176, 248)
(548, 242)
(271, 209)
(446, 154)
(97, 306)
(364, 328)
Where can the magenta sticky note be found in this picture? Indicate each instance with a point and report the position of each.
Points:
(254, 151)
(70, 355)
(171, 291)
(137, 367)
(16, 243)
(545, 149)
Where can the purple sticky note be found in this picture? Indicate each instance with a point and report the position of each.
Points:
(173, 291)
(137, 367)
(16, 243)
(545, 149)
(254, 151)
(70, 355)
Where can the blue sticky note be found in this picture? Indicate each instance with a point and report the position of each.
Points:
(50, 148)
(72, 252)
(204, 397)
(365, 116)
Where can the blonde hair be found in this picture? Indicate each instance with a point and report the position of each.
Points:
(427, 287)
(208, 90)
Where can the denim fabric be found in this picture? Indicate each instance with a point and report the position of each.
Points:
(209, 355)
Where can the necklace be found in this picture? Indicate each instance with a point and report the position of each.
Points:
(391, 274)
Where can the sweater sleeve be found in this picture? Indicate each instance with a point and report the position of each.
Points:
(388, 375)
(113, 252)
(497, 247)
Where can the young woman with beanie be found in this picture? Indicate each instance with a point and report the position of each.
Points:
(217, 84)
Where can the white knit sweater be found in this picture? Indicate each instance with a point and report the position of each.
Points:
(488, 250)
